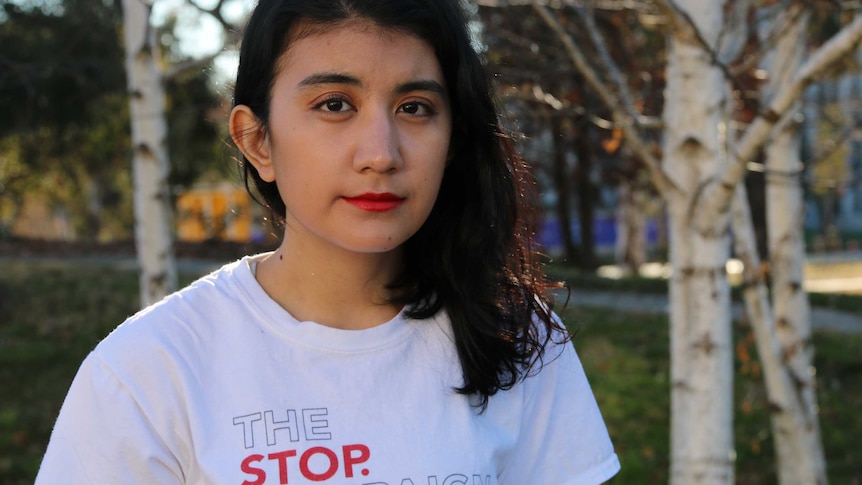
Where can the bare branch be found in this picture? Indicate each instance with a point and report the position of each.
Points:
(746, 250)
(662, 182)
(563, 107)
(686, 28)
(607, 62)
(733, 36)
(513, 38)
(539, 95)
(834, 143)
(181, 67)
(613, 5)
(795, 10)
(231, 30)
(215, 12)
(718, 196)
(646, 122)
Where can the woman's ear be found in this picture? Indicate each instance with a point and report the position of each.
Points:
(250, 137)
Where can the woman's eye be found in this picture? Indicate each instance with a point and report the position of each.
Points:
(416, 108)
(334, 105)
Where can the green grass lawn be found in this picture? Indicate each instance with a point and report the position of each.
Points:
(50, 317)
(626, 358)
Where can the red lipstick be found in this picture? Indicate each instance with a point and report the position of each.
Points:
(374, 202)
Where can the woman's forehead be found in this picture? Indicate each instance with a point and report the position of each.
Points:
(308, 28)
(331, 38)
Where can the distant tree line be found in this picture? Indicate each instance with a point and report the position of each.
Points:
(64, 133)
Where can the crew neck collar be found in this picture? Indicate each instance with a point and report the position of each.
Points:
(309, 333)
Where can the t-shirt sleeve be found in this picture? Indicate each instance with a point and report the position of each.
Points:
(103, 436)
(563, 439)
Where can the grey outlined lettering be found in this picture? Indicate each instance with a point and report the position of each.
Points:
(316, 424)
(247, 423)
(310, 424)
(290, 424)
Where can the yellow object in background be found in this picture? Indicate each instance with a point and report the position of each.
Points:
(222, 213)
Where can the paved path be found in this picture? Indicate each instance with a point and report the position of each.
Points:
(121, 262)
(821, 318)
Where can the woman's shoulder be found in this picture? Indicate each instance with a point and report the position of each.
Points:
(186, 318)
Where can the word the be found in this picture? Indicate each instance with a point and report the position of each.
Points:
(314, 425)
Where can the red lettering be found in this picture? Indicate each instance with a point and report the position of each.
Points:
(350, 459)
(282, 463)
(315, 457)
(257, 472)
(318, 477)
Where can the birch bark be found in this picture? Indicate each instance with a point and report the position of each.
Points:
(150, 164)
(630, 250)
(795, 422)
(701, 347)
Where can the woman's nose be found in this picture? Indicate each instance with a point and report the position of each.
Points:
(378, 144)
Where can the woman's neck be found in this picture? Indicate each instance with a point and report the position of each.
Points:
(332, 287)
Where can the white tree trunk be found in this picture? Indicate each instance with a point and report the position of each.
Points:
(788, 418)
(701, 347)
(795, 422)
(630, 250)
(150, 164)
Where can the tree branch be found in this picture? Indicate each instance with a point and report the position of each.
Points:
(662, 182)
(607, 62)
(534, 75)
(231, 37)
(639, 6)
(181, 67)
(795, 11)
(232, 33)
(538, 95)
(718, 195)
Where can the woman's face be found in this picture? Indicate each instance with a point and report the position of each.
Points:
(358, 136)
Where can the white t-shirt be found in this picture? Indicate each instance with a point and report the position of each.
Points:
(217, 384)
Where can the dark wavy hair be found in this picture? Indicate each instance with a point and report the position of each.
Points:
(474, 256)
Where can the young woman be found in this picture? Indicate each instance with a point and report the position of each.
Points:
(400, 334)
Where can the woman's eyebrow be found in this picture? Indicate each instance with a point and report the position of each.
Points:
(329, 78)
(422, 85)
(339, 78)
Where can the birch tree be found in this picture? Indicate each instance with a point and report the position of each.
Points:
(630, 248)
(701, 360)
(150, 158)
(699, 180)
(150, 162)
(701, 346)
(796, 426)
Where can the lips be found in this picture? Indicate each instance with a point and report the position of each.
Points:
(375, 202)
